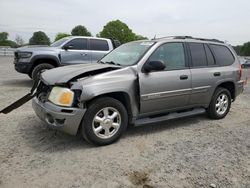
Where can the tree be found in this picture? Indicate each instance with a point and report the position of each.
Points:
(19, 40)
(237, 49)
(4, 36)
(117, 30)
(80, 30)
(245, 49)
(61, 35)
(5, 42)
(39, 38)
(140, 37)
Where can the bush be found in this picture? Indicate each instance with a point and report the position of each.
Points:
(9, 43)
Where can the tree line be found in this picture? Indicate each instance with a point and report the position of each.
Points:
(114, 29)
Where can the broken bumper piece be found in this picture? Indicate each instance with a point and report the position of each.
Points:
(60, 118)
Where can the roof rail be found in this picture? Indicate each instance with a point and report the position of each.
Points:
(190, 37)
(203, 39)
(173, 37)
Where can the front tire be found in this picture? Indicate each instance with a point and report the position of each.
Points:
(39, 69)
(220, 104)
(104, 122)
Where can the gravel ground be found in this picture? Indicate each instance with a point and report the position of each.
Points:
(191, 152)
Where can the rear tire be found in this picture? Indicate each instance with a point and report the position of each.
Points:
(39, 69)
(104, 121)
(220, 104)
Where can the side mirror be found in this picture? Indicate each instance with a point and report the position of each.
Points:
(154, 66)
(67, 47)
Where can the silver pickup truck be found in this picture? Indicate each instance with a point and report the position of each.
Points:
(138, 83)
(32, 60)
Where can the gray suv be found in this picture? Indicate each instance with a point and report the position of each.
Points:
(32, 60)
(138, 83)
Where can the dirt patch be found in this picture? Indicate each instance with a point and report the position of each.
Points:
(140, 178)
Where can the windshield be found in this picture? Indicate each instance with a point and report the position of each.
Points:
(127, 54)
(59, 42)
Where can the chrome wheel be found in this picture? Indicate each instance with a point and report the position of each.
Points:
(106, 123)
(221, 104)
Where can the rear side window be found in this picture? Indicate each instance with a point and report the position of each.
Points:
(78, 44)
(198, 54)
(99, 45)
(222, 54)
(210, 57)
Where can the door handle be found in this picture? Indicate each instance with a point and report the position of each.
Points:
(84, 54)
(183, 77)
(217, 74)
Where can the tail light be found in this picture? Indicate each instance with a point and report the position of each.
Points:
(240, 71)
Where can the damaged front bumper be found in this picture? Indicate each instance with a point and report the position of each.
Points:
(60, 118)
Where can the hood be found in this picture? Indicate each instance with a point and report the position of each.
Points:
(71, 73)
(33, 48)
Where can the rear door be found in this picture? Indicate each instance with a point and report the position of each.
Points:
(205, 73)
(98, 48)
(78, 52)
(169, 89)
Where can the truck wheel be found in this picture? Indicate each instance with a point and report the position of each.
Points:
(104, 121)
(39, 69)
(220, 104)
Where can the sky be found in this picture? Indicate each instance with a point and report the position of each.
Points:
(227, 20)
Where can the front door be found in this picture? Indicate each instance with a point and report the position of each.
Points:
(169, 89)
(76, 53)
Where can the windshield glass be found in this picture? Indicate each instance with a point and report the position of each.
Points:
(127, 54)
(59, 42)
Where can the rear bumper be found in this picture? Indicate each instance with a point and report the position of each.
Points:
(60, 118)
(23, 67)
(239, 87)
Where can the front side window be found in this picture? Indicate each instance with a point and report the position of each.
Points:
(171, 54)
(198, 55)
(222, 54)
(99, 45)
(78, 44)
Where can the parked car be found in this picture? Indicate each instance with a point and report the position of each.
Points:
(138, 83)
(32, 60)
(246, 64)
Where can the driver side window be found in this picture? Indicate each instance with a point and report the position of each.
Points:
(171, 54)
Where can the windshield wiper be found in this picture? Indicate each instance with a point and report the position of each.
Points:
(112, 63)
(109, 62)
(100, 62)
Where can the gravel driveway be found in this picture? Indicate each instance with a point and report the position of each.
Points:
(190, 152)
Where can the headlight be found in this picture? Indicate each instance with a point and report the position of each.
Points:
(61, 96)
(24, 54)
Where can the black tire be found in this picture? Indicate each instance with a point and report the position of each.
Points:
(39, 68)
(93, 109)
(212, 109)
